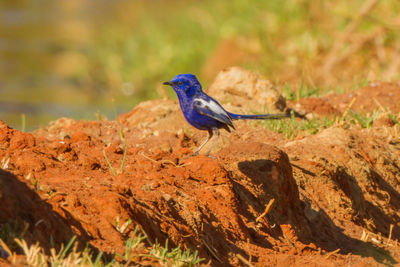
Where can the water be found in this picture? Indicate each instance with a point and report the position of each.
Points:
(45, 71)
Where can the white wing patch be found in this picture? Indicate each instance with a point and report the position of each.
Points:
(211, 105)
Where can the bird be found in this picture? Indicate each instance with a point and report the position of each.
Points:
(204, 112)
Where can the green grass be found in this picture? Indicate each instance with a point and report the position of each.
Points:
(174, 257)
(364, 120)
(112, 170)
(395, 118)
(11, 231)
(302, 92)
(292, 127)
(122, 138)
(137, 247)
(23, 122)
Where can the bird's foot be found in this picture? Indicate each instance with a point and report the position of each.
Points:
(191, 155)
(197, 153)
(210, 156)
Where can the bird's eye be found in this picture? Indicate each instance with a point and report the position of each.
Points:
(180, 83)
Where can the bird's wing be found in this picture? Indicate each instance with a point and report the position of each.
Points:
(212, 109)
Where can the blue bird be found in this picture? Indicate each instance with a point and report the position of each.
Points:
(204, 112)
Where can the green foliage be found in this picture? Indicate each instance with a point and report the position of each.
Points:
(364, 120)
(174, 257)
(109, 163)
(126, 49)
(394, 117)
(121, 168)
(182, 36)
(292, 127)
(302, 92)
(132, 243)
(66, 256)
(23, 122)
(11, 231)
(70, 256)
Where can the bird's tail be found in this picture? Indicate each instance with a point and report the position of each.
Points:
(258, 117)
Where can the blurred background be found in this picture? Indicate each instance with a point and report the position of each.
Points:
(84, 59)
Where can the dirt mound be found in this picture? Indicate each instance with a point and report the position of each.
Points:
(382, 96)
(308, 107)
(334, 197)
(376, 95)
(351, 175)
(246, 91)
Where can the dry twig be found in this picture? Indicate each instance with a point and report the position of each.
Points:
(267, 209)
(242, 259)
(347, 109)
(212, 251)
(390, 233)
(331, 253)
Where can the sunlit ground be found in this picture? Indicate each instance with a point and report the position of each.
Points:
(71, 58)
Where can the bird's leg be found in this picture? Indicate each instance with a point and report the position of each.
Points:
(216, 131)
(210, 134)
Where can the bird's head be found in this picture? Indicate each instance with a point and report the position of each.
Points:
(184, 83)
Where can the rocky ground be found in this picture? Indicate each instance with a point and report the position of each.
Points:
(334, 196)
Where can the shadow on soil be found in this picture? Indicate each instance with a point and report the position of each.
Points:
(324, 233)
(364, 209)
(211, 242)
(21, 205)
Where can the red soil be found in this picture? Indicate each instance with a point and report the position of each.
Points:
(328, 188)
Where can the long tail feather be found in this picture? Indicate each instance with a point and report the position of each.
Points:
(258, 117)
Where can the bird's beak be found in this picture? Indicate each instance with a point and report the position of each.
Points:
(167, 83)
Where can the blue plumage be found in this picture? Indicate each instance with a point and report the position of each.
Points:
(204, 112)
